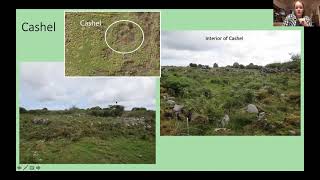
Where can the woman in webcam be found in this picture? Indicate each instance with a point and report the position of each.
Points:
(297, 18)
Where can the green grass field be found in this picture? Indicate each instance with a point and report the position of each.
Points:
(211, 93)
(87, 54)
(83, 138)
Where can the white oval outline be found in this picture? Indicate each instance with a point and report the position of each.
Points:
(120, 52)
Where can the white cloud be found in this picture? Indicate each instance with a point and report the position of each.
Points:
(260, 47)
(43, 85)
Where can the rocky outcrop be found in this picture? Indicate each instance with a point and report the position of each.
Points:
(41, 121)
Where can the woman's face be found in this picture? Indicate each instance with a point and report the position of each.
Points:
(298, 8)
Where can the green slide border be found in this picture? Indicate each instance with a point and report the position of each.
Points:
(175, 153)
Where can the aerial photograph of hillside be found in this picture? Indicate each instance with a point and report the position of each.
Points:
(231, 83)
(112, 43)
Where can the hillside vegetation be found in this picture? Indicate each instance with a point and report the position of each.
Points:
(232, 100)
(85, 136)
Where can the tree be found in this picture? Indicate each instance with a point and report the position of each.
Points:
(205, 67)
(235, 65)
(192, 65)
(295, 57)
(44, 109)
(96, 108)
(22, 110)
(241, 66)
(215, 65)
(138, 109)
(116, 110)
(250, 66)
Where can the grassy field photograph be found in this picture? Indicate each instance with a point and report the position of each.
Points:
(231, 87)
(112, 43)
(84, 121)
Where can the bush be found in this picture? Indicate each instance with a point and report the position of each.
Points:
(38, 111)
(95, 108)
(282, 80)
(214, 113)
(274, 65)
(215, 65)
(192, 65)
(241, 119)
(22, 110)
(176, 85)
(139, 109)
(203, 66)
(236, 65)
(295, 57)
(71, 110)
(252, 66)
(232, 102)
(248, 96)
(113, 111)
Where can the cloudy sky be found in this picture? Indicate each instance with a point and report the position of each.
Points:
(261, 47)
(43, 84)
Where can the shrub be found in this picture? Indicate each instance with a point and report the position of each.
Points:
(113, 110)
(116, 110)
(176, 85)
(295, 57)
(192, 65)
(252, 66)
(282, 80)
(71, 110)
(138, 109)
(248, 96)
(236, 65)
(22, 110)
(231, 103)
(38, 111)
(274, 65)
(214, 114)
(241, 119)
(95, 108)
(215, 65)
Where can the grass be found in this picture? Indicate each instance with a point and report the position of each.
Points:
(211, 93)
(83, 138)
(87, 54)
